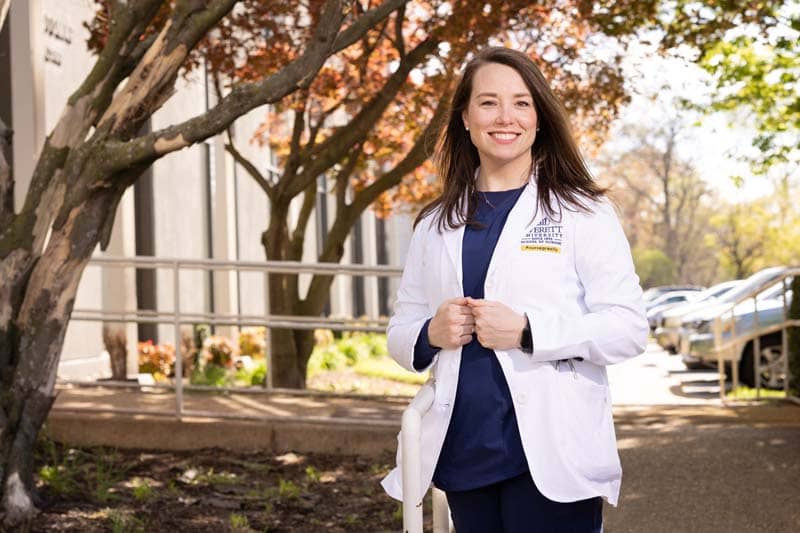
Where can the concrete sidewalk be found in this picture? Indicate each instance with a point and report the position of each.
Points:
(305, 422)
(688, 468)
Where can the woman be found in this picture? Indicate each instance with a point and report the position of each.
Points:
(518, 289)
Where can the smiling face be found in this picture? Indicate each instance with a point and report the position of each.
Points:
(501, 119)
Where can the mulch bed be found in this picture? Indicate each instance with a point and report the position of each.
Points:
(96, 489)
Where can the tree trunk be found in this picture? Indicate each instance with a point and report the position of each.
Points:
(290, 348)
(36, 334)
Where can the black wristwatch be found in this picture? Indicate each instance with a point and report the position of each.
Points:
(526, 342)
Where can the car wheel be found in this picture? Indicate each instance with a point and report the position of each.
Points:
(772, 364)
(695, 365)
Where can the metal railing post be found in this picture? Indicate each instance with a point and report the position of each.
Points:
(268, 383)
(441, 512)
(413, 491)
(178, 356)
(785, 339)
(717, 329)
(757, 349)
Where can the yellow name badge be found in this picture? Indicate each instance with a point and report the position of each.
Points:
(540, 248)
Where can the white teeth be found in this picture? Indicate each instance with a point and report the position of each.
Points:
(504, 136)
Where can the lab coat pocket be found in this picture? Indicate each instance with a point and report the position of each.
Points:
(587, 430)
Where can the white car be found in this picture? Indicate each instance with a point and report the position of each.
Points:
(668, 321)
(666, 301)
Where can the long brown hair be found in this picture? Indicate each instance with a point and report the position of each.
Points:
(561, 170)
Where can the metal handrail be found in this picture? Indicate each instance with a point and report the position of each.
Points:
(732, 344)
(177, 317)
(269, 321)
(413, 491)
(280, 267)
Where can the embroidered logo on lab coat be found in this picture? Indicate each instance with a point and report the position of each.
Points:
(545, 236)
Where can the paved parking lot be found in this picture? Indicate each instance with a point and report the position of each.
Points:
(657, 377)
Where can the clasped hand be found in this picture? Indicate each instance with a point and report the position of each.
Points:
(497, 326)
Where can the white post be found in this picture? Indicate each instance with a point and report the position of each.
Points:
(441, 512)
(413, 492)
(177, 323)
(785, 339)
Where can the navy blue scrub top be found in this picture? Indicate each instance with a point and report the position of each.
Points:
(483, 444)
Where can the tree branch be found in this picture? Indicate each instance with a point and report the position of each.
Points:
(366, 21)
(295, 150)
(152, 81)
(243, 98)
(422, 150)
(44, 195)
(400, 43)
(342, 180)
(250, 168)
(335, 147)
(346, 218)
(299, 233)
(4, 5)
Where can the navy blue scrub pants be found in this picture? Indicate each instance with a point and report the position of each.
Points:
(516, 506)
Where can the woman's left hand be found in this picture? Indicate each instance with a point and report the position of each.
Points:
(498, 327)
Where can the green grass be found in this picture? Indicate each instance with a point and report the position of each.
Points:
(386, 368)
(216, 478)
(239, 522)
(142, 491)
(70, 471)
(287, 490)
(349, 351)
(122, 523)
(312, 475)
(748, 393)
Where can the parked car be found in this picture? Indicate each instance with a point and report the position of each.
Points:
(698, 347)
(683, 322)
(654, 292)
(667, 301)
(668, 321)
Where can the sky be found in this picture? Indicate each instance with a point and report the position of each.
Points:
(710, 142)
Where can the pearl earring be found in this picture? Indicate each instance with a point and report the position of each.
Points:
(466, 127)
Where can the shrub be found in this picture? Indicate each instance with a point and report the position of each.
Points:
(218, 350)
(325, 359)
(259, 375)
(654, 267)
(251, 342)
(156, 359)
(250, 374)
(323, 338)
(211, 375)
(348, 351)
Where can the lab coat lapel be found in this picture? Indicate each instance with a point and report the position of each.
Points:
(453, 239)
(520, 216)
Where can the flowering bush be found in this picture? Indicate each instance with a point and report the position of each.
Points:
(251, 342)
(218, 350)
(156, 359)
(323, 338)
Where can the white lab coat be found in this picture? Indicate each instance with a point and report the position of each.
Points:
(574, 277)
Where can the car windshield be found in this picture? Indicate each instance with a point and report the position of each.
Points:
(717, 290)
(751, 283)
(774, 291)
(669, 298)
